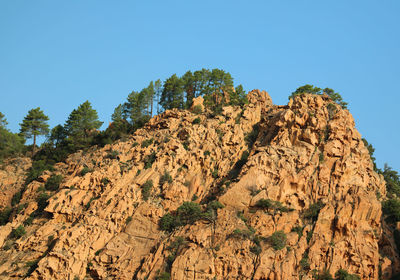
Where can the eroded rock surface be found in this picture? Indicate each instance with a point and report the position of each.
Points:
(100, 226)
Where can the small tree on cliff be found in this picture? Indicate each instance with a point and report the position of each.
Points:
(34, 124)
(336, 97)
(82, 121)
(305, 89)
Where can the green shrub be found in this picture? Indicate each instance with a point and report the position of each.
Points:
(7, 245)
(196, 121)
(112, 154)
(53, 183)
(128, 220)
(313, 211)
(264, 203)
(32, 267)
(18, 232)
(37, 169)
(28, 221)
(207, 153)
(134, 144)
(321, 157)
(186, 145)
(211, 210)
(42, 202)
(164, 276)
(342, 274)
(187, 213)
(304, 264)
(324, 275)
(214, 173)
(165, 178)
(98, 252)
(278, 240)
(5, 215)
(245, 234)
(197, 109)
(85, 170)
(214, 205)
(149, 160)
(20, 208)
(256, 249)
(298, 230)
(105, 181)
(146, 189)
(268, 204)
(17, 197)
(168, 222)
(147, 142)
(391, 208)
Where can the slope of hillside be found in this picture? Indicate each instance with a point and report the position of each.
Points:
(296, 183)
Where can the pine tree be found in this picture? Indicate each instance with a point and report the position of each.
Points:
(118, 114)
(3, 121)
(172, 94)
(10, 143)
(189, 86)
(336, 97)
(57, 135)
(150, 91)
(157, 93)
(306, 89)
(82, 121)
(34, 124)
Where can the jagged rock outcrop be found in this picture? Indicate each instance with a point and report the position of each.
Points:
(101, 225)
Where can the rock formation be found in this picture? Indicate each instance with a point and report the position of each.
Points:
(305, 161)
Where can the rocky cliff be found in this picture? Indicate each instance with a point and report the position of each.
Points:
(297, 186)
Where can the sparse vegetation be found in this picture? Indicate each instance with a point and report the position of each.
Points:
(342, 274)
(322, 275)
(186, 144)
(147, 142)
(146, 189)
(18, 232)
(5, 215)
(53, 183)
(112, 154)
(313, 211)
(391, 208)
(32, 266)
(149, 160)
(165, 178)
(336, 97)
(197, 109)
(214, 173)
(304, 264)
(128, 220)
(268, 204)
(278, 240)
(105, 181)
(196, 121)
(188, 213)
(85, 170)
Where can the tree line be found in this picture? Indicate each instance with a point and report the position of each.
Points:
(80, 130)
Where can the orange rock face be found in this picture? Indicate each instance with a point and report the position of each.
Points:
(306, 154)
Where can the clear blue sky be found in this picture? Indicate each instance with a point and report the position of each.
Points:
(57, 54)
